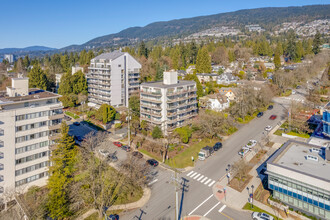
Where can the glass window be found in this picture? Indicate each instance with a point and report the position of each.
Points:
(327, 207)
(299, 197)
(289, 193)
(280, 189)
(310, 201)
(295, 195)
(304, 199)
(321, 205)
(285, 191)
(315, 203)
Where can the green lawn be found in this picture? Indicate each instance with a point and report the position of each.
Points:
(247, 206)
(72, 115)
(183, 159)
(94, 125)
(150, 155)
(95, 215)
(298, 135)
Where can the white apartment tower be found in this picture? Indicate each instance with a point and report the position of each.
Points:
(168, 104)
(112, 78)
(29, 123)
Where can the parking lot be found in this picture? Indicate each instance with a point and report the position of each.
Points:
(80, 131)
(113, 150)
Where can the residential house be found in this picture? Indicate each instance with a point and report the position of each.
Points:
(215, 102)
(227, 78)
(207, 77)
(230, 93)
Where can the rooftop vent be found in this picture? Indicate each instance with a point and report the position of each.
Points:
(315, 150)
(311, 157)
(36, 97)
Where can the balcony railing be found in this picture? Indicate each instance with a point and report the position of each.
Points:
(151, 100)
(157, 107)
(177, 99)
(151, 93)
(54, 136)
(151, 112)
(150, 119)
(57, 116)
(54, 126)
(180, 91)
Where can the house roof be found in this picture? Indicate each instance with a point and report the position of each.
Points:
(109, 56)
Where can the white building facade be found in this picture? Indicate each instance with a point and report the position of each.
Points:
(9, 58)
(168, 104)
(112, 78)
(29, 124)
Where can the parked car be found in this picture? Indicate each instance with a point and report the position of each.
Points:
(251, 143)
(76, 123)
(260, 114)
(112, 158)
(261, 216)
(126, 148)
(152, 162)
(113, 217)
(243, 151)
(137, 154)
(103, 152)
(268, 128)
(273, 117)
(205, 152)
(270, 107)
(217, 146)
(118, 144)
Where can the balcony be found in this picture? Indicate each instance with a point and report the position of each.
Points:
(171, 113)
(159, 114)
(150, 119)
(2, 132)
(151, 100)
(151, 93)
(133, 76)
(56, 106)
(157, 107)
(56, 116)
(54, 136)
(180, 92)
(2, 144)
(2, 155)
(1, 178)
(177, 99)
(54, 126)
(185, 117)
(2, 166)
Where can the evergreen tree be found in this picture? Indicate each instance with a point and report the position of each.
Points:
(65, 63)
(157, 133)
(66, 86)
(26, 62)
(37, 78)
(106, 113)
(277, 60)
(143, 51)
(83, 57)
(291, 47)
(299, 51)
(203, 62)
(79, 83)
(317, 43)
(62, 161)
(199, 86)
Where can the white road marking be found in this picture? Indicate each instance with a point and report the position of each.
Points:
(200, 204)
(211, 209)
(152, 182)
(200, 177)
(191, 172)
(197, 176)
(193, 175)
(204, 179)
(211, 183)
(207, 181)
(222, 208)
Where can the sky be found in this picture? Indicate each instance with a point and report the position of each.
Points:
(60, 23)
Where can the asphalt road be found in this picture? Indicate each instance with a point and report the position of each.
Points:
(198, 199)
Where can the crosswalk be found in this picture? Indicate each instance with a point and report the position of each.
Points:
(206, 206)
(201, 178)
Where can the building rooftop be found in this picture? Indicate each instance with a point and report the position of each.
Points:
(109, 56)
(327, 106)
(34, 94)
(293, 155)
(160, 84)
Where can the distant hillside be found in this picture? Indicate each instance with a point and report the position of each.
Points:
(18, 51)
(265, 17)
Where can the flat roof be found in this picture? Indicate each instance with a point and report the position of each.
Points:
(160, 84)
(34, 94)
(293, 156)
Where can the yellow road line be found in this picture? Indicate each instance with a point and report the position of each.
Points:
(226, 216)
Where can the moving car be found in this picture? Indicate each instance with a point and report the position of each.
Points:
(270, 107)
(118, 144)
(217, 146)
(103, 152)
(251, 143)
(273, 117)
(260, 114)
(137, 154)
(261, 216)
(243, 151)
(126, 148)
(152, 162)
(76, 123)
(268, 128)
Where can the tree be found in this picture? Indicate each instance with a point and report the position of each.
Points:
(26, 62)
(199, 86)
(241, 169)
(317, 43)
(184, 133)
(203, 62)
(220, 56)
(157, 133)
(37, 78)
(143, 51)
(277, 60)
(291, 47)
(79, 83)
(65, 87)
(105, 113)
(62, 160)
(134, 105)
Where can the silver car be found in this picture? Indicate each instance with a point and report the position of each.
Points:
(261, 216)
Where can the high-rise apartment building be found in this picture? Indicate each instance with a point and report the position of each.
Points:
(326, 120)
(29, 124)
(168, 104)
(112, 78)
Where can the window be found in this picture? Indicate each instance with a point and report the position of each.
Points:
(304, 199)
(289, 193)
(300, 197)
(32, 157)
(310, 201)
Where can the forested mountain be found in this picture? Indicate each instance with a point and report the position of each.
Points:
(267, 18)
(26, 49)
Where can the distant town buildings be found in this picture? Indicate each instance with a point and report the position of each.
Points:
(112, 78)
(170, 103)
(9, 57)
(298, 175)
(254, 27)
(29, 124)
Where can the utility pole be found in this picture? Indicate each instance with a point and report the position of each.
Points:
(176, 181)
(129, 128)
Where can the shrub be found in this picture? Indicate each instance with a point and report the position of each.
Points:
(157, 133)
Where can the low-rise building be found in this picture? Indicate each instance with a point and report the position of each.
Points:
(207, 77)
(170, 103)
(76, 69)
(227, 78)
(9, 58)
(30, 121)
(230, 93)
(299, 176)
(215, 102)
(58, 77)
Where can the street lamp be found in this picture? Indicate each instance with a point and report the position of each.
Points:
(252, 187)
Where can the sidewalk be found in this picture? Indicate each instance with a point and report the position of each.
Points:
(133, 205)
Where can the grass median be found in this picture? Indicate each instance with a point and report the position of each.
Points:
(248, 206)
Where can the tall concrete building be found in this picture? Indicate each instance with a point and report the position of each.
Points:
(299, 176)
(326, 120)
(29, 124)
(112, 78)
(9, 57)
(168, 104)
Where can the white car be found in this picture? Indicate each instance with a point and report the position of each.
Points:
(251, 143)
(268, 128)
(243, 151)
(104, 153)
(261, 216)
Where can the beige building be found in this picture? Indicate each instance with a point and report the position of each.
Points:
(29, 123)
(168, 104)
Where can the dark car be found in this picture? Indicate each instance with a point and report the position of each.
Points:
(272, 117)
(137, 154)
(113, 217)
(152, 162)
(126, 148)
(217, 146)
(112, 158)
(76, 123)
(260, 114)
(270, 107)
(118, 144)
